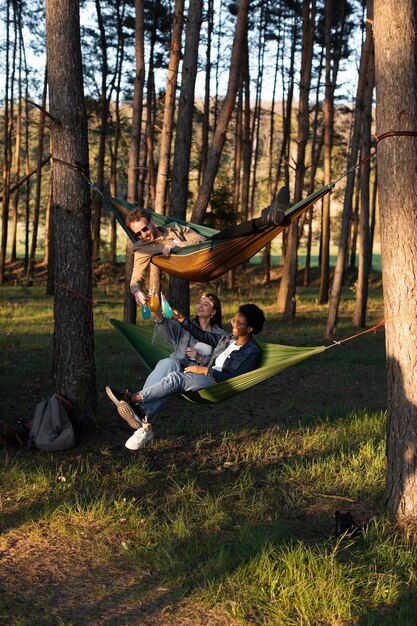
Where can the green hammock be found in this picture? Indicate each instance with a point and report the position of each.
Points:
(207, 260)
(150, 348)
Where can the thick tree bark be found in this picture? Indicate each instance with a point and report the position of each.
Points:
(179, 292)
(224, 115)
(395, 27)
(73, 349)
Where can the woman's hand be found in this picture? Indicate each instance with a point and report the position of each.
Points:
(178, 316)
(196, 369)
(192, 353)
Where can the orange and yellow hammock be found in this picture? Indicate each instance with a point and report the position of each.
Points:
(207, 260)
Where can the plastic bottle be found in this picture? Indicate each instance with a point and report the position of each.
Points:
(154, 301)
(146, 312)
(166, 309)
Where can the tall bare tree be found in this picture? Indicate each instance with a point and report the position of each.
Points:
(337, 283)
(134, 147)
(7, 153)
(359, 316)
(179, 292)
(287, 289)
(104, 112)
(219, 138)
(395, 27)
(73, 349)
(161, 186)
(39, 162)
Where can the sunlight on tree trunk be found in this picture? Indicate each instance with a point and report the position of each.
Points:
(395, 26)
(73, 349)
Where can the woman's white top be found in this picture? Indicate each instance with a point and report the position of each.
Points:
(219, 362)
(203, 348)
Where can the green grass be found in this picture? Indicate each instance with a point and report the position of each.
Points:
(228, 516)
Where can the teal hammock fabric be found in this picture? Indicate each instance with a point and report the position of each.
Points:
(150, 348)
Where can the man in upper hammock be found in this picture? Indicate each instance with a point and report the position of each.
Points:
(152, 239)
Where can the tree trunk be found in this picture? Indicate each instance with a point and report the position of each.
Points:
(18, 133)
(373, 216)
(104, 111)
(328, 115)
(114, 152)
(129, 313)
(286, 294)
(6, 156)
(359, 317)
(73, 346)
(247, 147)
(179, 291)
(169, 109)
(224, 115)
(394, 27)
(257, 114)
(355, 225)
(36, 210)
(47, 234)
(206, 111)
(337, 283)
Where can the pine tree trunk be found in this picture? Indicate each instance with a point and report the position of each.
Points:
(114, 156)
(224, 115)
(129, 313)
(179, 291)
(359, 317)
(373, 215)
(355, 225)
(328, 114)
(104, 111)
(73, 349)
(6, 156)
(36, 210)
(394, 27)
(286, 295)
(247, 146)
(18, 133)
(338, 277)
(206, 111)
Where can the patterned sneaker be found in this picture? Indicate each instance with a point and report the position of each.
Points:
(275, 213)
(140, 438)
(130, 411)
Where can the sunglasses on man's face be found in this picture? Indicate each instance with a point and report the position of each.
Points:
(140, 231)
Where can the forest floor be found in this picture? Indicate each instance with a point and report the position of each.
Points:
(227, 517)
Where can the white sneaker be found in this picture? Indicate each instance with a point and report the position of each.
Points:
(140, 437)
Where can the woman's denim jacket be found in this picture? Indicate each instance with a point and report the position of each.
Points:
(238, 362)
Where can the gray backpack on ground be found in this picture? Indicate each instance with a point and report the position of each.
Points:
(51, 428)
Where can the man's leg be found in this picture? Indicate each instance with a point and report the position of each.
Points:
(271, 216)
